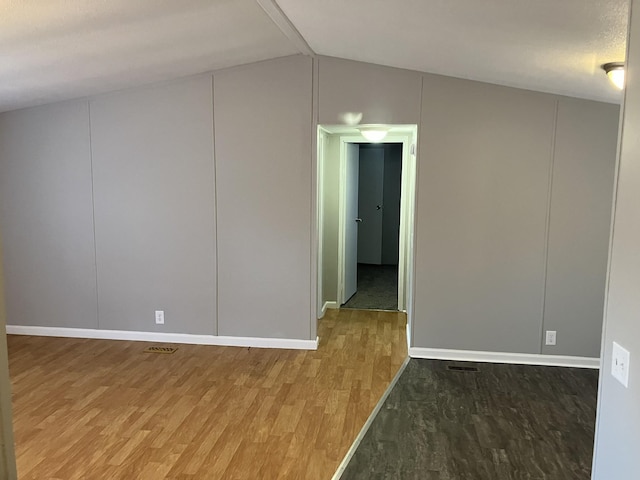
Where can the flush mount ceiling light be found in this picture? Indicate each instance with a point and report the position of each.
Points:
(373, 133)
(615, 72)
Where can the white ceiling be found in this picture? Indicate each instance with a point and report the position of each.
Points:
(59, 49)
(554, 46)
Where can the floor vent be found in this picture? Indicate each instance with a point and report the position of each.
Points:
(461, 368)
(167, 350)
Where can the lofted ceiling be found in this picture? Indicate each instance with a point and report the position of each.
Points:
(60, 49)
(555, 46)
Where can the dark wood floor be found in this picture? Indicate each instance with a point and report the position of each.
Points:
(377, 288)
(503, 422)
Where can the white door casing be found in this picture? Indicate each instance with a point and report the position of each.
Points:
(408, 137)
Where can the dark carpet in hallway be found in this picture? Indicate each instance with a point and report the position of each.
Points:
(377, 288)
(502, 422)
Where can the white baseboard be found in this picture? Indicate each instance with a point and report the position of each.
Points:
(328, 305)
(501, 357)
(161, 337)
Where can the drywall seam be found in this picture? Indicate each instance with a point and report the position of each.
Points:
(288, 29)
(215, 205)
(93, 217)
(547, 227)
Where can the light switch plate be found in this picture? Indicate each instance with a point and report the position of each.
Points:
(620, 364)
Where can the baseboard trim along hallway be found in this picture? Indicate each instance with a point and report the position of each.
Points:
(503, 357)
(186, 338)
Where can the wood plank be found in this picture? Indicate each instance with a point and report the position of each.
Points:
(105, 409)
(502, 422)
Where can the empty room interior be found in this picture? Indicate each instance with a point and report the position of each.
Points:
(286, 239)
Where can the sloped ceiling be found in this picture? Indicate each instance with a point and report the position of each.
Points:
(555, 46)
(60, 49)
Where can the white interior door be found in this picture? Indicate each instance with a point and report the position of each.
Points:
(351, 221)
(370, 205)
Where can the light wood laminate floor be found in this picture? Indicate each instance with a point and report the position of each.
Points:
(98, 409)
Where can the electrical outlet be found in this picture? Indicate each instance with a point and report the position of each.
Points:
(159, 317)
(551, 337)
(620, 364)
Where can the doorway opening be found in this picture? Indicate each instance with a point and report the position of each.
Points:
(372, 197)
(366, 201)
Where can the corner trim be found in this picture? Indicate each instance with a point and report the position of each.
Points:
(503, 357)
(288, 29)
(186, 338)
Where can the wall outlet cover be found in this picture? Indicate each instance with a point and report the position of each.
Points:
(159, 317)
(620, 358)
(551, 337)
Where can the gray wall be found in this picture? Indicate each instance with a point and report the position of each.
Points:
(488, 158)
(263, 151)
(7, 448)
(46, 214)
(388, 242)
(381, 94)
(391, 200)
(481, 216)
(152, 152)
(143, 159)
(485, 166)
(330, 197)
(370, 195)
(582, 189)
(618, 424)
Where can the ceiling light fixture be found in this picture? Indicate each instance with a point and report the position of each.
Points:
(615, 72)
(374, 133)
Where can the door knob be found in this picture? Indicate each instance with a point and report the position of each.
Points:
(358, 220)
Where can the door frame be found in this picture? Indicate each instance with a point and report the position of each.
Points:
(407, 203)
(319, 222)
(342, 212)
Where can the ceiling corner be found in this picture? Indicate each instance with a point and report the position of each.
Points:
(289, 30)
